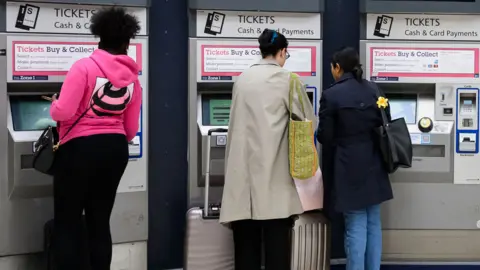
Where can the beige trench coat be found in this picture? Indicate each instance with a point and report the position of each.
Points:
(258, 184)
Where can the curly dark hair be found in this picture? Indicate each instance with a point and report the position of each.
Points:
(115, 27)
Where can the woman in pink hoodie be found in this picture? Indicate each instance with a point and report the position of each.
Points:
(101, 99)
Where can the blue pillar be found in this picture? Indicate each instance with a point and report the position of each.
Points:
(167, 136)
(341, 27)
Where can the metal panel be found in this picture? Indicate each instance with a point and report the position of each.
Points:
(138, 3)
(3, 17)
(341, 28)
(255, 5)
(168, 130)
(379, 6)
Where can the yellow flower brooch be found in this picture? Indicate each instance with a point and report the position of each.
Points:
(382, 102)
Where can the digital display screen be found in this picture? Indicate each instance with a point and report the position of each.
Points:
(467, 102)
(403, 106)
(216, 109)
(30, 113)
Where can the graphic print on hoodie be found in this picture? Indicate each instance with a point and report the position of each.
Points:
(116, 104)
(108, 100)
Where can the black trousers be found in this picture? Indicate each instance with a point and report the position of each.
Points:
(275, 234)
(87, 173)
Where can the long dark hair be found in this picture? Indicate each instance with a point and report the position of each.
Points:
(347, 58)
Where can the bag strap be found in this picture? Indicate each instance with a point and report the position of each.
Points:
(294, 87)
(85, 112)
(385, 121)
(386, 124)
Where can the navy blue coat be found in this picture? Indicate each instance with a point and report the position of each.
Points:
(354, 173)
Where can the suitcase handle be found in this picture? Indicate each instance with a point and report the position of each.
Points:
(207, 170)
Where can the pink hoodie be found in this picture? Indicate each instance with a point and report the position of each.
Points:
(109, 83)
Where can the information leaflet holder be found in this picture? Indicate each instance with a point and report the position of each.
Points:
(433, 84)
(36, 66)
(213, 68)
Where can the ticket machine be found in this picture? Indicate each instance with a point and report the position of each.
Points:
(220, 50)
(432, 82)
(26, 202)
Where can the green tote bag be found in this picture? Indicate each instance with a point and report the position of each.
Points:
(303, 155)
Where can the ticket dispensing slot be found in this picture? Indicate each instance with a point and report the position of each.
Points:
(467, 121)
(28, 116)
(213, 112)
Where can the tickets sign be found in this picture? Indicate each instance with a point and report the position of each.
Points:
(39, 58)
(34, 17)
(250, 24)
(221, 62)
(391, 63)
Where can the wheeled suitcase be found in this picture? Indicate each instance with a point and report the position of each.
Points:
(208, 244)
(311, 242)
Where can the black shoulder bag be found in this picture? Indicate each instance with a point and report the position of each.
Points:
(394, 140)
(48, 143)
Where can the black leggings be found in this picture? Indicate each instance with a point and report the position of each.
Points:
(276, 236)
(87, 173)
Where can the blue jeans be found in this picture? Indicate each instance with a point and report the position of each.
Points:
(363, 238)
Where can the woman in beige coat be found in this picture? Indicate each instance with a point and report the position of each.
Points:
(260, 197)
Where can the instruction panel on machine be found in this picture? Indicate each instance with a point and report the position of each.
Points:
(222, 62)
(36, 60)
(397, 61)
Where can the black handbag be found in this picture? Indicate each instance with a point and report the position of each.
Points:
(394, 141)
(48, 143)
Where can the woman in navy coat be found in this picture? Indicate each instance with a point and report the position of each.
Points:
(356, 182)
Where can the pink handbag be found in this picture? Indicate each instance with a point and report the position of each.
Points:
(310, 191)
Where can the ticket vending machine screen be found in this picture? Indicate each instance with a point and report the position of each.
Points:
(30, 113)
(403, 106)
(216, 109)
